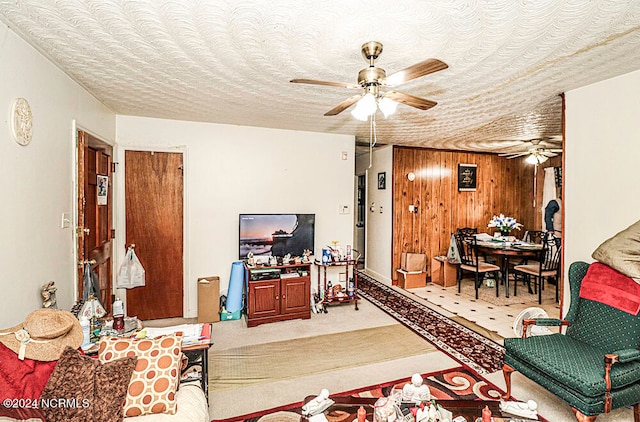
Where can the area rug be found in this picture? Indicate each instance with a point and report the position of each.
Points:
(271, 362)
(453, 384)
(488, 294)
(459, 342)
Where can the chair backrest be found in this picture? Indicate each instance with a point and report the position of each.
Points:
(534, 236)
(597, 324)
(468, 249)
(467, 231)
(550, 257)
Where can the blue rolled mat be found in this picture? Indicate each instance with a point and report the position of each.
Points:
(234, 293)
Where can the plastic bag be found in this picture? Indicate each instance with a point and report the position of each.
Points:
(131, 273)
(453, 255)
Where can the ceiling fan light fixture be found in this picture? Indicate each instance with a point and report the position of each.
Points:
(365, 107)
(536, 158)
(387, 106)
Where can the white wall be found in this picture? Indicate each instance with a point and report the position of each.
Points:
(601, 161)
(378, 223)
(231, 170)
(36, 181)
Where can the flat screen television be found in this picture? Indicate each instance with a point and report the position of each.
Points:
(276, 234)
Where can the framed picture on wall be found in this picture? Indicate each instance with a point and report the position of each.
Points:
(467, 177)
(382, 180)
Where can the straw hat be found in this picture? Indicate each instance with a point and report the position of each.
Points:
(43, 335)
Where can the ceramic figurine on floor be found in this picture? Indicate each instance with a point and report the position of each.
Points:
(318, 404)
(416, 392)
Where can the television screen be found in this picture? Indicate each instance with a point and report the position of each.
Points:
(276, 234)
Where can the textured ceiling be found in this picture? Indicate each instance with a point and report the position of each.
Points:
(230, 61)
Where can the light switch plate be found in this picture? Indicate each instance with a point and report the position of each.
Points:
(65, 222)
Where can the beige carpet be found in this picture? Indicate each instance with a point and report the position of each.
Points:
(270, 362)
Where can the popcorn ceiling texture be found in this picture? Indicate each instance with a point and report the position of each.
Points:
(230, 61)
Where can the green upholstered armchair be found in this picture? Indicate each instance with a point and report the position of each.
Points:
(594, 367)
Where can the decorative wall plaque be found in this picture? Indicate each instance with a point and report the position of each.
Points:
(21, 121)
(467, 177)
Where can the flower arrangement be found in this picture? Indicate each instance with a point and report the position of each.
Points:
(504, 224)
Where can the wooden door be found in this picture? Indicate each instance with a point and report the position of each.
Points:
(295, 295)
(94, 231)
(154, 220)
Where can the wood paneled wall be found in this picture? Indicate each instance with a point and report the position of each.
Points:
(503, 186)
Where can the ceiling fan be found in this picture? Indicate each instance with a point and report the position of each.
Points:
(373, 82)
(537, 150)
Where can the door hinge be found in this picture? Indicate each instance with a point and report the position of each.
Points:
(113, 166)
(113, 233)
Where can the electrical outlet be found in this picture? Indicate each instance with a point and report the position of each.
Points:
(344, 155)
(344, 209)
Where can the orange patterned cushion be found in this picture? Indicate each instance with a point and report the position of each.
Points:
(156, 376)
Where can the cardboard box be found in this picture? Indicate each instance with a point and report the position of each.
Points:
(209, 299)
(443, 272)
(413, 261)
(411, 279)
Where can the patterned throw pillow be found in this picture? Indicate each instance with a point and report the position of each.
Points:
(156, 376)
(80, 389)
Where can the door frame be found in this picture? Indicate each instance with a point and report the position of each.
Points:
(75, 128)
(190, 300)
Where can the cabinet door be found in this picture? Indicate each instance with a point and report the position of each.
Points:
(264, 298)
(296, 295)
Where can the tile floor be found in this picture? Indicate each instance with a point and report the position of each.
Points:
(498, 318)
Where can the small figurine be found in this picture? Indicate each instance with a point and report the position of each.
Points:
(306, 255)
(49, 295)
(286, 258)
(318, 404)
(251, 261)
(416, 392)
(524, 409)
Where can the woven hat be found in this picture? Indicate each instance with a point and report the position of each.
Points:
(43, 335)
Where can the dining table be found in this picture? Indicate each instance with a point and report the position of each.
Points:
(507, 250)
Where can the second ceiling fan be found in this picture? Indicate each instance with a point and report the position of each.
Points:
(373, 81)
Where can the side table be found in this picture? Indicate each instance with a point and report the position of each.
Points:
(199, 355)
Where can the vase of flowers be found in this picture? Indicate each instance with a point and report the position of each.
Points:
(504, 224)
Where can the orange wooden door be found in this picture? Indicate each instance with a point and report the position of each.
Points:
(94, 240)
(154, 219)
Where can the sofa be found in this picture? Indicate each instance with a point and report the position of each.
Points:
(131, 380)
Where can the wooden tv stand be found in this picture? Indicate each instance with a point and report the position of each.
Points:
(275, 297)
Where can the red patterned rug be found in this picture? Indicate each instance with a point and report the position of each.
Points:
(453, 384)
(461, 343)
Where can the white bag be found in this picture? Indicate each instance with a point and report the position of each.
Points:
(131, 272)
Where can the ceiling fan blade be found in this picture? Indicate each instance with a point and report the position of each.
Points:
(548, 153)
(412, 72)
(515, 155)
(326, 83)
(556, 150)
(410, 100)
(343, 105)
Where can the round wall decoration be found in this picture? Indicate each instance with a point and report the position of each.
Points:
(21, 121)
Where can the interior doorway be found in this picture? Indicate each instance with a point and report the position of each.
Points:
(361, 212)
(94, 234)
(154, 201)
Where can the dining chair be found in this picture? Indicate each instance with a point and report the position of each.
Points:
(467, 231)
(530, 236)
(547, 266)
(470, 261)
(534, 236)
